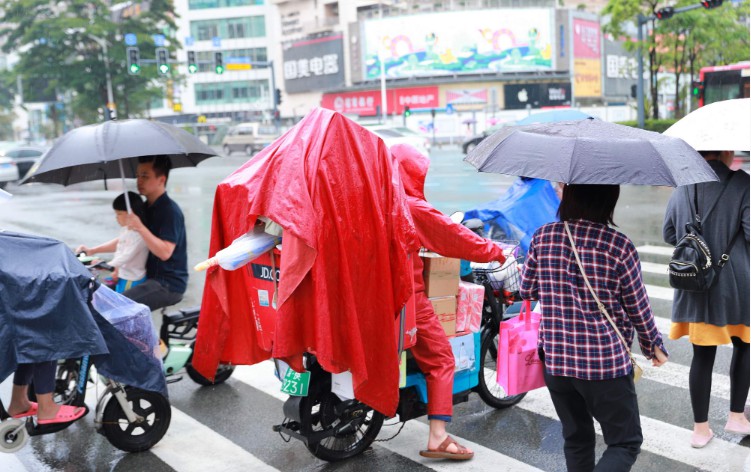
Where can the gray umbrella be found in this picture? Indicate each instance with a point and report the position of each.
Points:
(590, 152)
(111, 149)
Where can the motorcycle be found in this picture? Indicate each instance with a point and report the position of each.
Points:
(334, 427)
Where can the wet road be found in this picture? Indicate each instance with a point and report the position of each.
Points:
(228, 427)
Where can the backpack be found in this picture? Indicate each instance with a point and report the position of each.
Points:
(691, 267)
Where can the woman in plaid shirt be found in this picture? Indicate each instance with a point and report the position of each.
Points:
(587, 368)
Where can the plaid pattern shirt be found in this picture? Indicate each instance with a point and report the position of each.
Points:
(577, 338)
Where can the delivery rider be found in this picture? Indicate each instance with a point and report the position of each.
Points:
(432, 350)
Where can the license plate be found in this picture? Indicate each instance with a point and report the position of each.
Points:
(296, 383)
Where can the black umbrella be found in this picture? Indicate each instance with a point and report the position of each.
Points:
(590, 151)
(111, 149)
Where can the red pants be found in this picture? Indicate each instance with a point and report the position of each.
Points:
(435, 358)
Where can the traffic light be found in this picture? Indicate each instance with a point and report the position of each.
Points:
(407, 112)
(665, 13)
(278, 96)
(697, 89)
(218, 63)
(709, 4)
(162, 61)
(134, 60)
(192, 64)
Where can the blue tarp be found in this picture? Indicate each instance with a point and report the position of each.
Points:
(45, 314)
(527, 205)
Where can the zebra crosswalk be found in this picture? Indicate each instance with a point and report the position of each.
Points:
(228, 428)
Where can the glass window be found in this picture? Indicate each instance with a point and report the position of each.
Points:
(201, 4)
(239, 91)
(230, 28)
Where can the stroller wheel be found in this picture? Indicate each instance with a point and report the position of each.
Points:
(13, 435)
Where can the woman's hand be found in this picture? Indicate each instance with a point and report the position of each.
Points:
(659, 358)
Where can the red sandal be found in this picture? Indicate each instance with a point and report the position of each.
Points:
(65, 414)
(30, 412)
(442, 452)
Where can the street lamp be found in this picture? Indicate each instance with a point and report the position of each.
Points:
(102, 44)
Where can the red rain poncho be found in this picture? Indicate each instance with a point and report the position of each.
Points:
(333, 188)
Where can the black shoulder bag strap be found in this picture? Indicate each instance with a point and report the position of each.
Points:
(698, 219)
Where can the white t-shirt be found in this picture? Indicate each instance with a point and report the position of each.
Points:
(130, 255)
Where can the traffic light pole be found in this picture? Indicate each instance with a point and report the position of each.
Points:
(642, 20)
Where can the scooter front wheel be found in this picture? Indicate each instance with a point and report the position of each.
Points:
(491, 393)
(356, 428)
(13, 435)
(155, 414)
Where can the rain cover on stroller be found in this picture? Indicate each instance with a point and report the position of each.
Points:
(45, 315)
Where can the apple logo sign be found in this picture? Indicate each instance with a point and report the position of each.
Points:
(522, 95)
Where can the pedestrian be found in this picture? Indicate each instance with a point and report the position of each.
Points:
(130, 249)
(586, 365)
(719, 315)
(432, 351)
(45, 408)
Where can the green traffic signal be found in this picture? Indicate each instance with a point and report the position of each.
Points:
(134, 69)
(192, 68)
(164, 69)
(219, 69)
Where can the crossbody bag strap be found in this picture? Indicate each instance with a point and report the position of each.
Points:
(602, 308)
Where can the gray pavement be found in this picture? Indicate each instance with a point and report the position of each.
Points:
(228, 427)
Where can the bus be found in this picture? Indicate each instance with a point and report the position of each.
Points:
(718, 83)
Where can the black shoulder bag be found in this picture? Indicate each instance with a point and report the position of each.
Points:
(691, 266)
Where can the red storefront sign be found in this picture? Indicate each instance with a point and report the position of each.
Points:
(365, 103)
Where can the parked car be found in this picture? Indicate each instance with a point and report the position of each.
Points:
(25, 157)
(397, 135)
(248, 138)
(8, 171)
(472, 142)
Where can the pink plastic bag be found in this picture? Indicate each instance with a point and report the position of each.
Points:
(519, 367)
(469, 307)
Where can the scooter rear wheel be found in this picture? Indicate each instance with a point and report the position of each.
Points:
(317, 414)
(488, 389)
(223, 372)
(136, 437)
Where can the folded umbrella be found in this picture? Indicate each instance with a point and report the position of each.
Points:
(590, 151)
(719, 126)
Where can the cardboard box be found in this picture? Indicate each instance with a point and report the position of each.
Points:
(441, 275)
(445, 310)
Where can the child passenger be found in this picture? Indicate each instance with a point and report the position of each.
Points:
(131, 253)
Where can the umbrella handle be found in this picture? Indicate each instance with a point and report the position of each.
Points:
(201, 266)
(125, 189)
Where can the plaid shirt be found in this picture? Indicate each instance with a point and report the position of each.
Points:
(577, 338)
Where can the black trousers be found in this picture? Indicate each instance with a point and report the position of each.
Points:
(42, 373)
(613, 404)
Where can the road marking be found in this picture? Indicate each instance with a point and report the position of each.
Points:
(662, 439)
(11, 463)
(654, 268)
(660, 293)
(411, 440)
(676, 375)
(191, 446)
(656, 250)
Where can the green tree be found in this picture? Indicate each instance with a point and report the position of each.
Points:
(60, 54)
(624, 12)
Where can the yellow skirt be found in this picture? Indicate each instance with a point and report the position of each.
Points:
(703, 334)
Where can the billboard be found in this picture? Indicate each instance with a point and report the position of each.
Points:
(368, 102)
(587, 62)
(537, 95)
(463, 42)
(314, 64)
(620, 69)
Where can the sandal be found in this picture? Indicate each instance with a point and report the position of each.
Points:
(442, 452)
(66, 414)
(30, 412)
